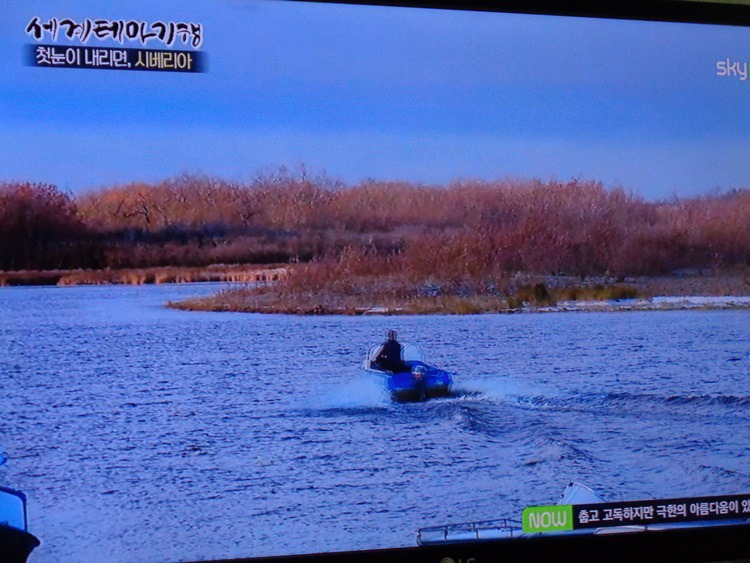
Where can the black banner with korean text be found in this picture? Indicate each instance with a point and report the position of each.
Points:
(59, 56)
(664, 511)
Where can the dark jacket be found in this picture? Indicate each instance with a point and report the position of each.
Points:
(389, 357)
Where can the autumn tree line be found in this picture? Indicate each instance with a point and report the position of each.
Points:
(471, 229)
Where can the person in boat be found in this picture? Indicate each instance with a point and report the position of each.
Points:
(389, 356)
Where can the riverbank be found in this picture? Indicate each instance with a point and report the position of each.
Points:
(140, 276)
(392, 295)
(525, 294)
(469, 306)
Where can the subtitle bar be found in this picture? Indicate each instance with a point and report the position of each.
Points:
(106, 58)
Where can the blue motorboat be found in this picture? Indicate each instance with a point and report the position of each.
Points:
(416, 380)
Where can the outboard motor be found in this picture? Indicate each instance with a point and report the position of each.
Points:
(420, 378)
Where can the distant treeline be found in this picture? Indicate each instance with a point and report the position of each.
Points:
(465, 229)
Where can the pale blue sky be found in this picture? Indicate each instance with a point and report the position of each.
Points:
(386, 93)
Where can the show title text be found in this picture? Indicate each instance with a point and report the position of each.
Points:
(121, 31)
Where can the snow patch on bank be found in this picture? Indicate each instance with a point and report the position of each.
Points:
(654, 304)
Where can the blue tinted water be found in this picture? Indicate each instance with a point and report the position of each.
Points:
(141, 433)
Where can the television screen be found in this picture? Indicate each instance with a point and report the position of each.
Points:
(284, 278)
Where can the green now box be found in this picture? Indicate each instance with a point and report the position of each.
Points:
(555, 518)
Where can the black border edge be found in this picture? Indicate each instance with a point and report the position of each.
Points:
(698, 12)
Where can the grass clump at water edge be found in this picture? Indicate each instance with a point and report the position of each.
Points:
(328, 288)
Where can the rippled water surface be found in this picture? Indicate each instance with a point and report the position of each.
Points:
(141, 433)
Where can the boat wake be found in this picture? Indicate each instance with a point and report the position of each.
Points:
(613, 402)
(499, 390)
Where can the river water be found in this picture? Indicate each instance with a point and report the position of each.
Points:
(141, 433)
